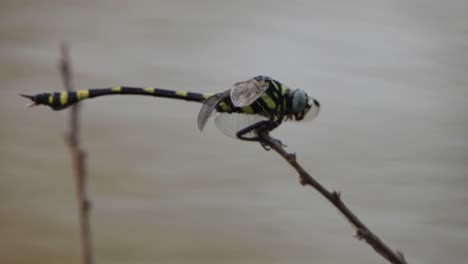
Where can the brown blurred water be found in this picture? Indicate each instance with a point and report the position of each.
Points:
(392, 134)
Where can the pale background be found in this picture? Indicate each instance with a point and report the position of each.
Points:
(392, 135)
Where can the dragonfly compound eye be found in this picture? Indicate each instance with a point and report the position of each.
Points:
(299, 100)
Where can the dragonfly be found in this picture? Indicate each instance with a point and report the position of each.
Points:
(250, 107)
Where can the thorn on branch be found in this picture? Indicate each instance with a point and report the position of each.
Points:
(291, 157)
(361, 233)
(303, 180)
(336, 195)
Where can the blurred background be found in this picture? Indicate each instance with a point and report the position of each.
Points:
(392, 134)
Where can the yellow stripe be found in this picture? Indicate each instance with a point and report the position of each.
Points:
(116, 89)
(63, 98)
(284, 89)
(149, 89)
(275, 85)
(247, 109)
(82, 94)
(207, 95)
(268, 101)
(225, 107)
(51, 99)
(281, 89)
(181, 93)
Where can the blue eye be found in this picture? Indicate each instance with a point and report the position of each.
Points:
(299, 100)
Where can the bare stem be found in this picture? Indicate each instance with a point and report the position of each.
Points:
(78, 162)
(362, 231)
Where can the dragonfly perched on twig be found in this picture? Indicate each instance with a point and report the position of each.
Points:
(257, 105)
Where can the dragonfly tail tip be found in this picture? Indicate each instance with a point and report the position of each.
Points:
(27, 96)
(30, 104)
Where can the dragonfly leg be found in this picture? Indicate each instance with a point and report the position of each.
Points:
(263, 126)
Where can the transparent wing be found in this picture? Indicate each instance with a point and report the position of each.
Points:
(245, 93)
(230, 124)
(208, 108)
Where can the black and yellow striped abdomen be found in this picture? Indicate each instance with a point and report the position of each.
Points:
(61, 100)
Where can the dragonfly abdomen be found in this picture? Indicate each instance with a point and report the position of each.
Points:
(61, 100)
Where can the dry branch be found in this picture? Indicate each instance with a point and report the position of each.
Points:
(362, 231)
(78, 162)
(79, 168)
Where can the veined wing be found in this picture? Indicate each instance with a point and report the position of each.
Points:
(231, 123)
(208, 108)
(245, 93)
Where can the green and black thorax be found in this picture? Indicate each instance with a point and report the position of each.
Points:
(275, 103)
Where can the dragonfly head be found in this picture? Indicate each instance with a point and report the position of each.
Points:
(303, 106)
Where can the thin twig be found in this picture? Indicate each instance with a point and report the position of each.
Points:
(362, 231)
(78, 162)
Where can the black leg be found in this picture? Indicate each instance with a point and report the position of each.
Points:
(264, 126)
